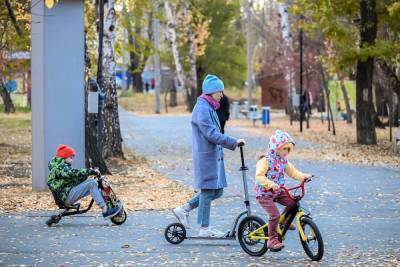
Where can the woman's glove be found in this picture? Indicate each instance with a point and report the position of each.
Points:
(240, 142)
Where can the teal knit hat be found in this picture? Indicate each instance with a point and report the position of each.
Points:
(212, 84)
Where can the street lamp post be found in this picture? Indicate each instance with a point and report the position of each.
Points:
(301, 79)
(247, 4)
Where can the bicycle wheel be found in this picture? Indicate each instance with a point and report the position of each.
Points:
(313, 246)
(175, 233)
(253, 247)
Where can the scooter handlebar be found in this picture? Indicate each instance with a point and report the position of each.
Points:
(242, 155)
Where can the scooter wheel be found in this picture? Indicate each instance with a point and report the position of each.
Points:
(54, 219)
(175, 233)
(120, 218)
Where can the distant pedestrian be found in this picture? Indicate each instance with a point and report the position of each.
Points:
(223, 112)
(147, 86)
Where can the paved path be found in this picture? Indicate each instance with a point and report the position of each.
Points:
(357, 209)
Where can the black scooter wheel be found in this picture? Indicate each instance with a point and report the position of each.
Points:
(54, 219)
(175, 233)
(120, 218)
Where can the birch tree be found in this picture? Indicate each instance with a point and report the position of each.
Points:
(192, 80)
(171, 35)
(288, 51)
(112, 133)
(249, 52)
(157, 65)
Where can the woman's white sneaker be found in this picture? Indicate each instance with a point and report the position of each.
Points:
(182, 215)
(209, 232)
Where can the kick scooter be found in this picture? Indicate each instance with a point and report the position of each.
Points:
(175, 233)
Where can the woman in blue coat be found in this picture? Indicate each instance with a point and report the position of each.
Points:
(208, 160)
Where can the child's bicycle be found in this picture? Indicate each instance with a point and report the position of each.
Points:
(109, 196)
(253, 231)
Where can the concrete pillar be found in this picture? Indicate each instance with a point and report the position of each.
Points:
(57, 67)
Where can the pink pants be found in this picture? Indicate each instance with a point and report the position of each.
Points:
(267, 203)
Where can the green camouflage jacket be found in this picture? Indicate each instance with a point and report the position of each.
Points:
(63, 177)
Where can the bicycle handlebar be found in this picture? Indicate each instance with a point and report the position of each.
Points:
(301, 186)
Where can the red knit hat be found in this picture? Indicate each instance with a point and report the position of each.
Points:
(64, 151)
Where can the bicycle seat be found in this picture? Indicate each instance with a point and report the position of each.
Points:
(75, 206)
(61, 203)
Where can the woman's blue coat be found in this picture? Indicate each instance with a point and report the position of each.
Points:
(207, 144)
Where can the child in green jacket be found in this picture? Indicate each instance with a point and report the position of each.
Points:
(70, 184)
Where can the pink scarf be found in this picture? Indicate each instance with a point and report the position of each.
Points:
(213, 103)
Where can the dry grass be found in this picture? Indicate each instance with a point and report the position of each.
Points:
(139, 187)
(145, 103)
(15, 145)
(341, 147)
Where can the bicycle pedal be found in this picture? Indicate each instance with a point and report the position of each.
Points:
(276, 250)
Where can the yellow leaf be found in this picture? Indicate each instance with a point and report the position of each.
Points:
(50, 3)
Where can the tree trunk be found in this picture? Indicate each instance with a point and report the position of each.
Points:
(328, 118)
(157, 64)
(29, 89)
(287, 51)
(366, 133)
(346, 99)
(330, 114)
(308, 99)
(13, 18)
(201, 73)
(380, 103)
(321, 100)
(171, 33)
(173, 101)
(391, 114)
(249, 52)
(192, 83)
(5, 95)
(93, 156)
(112, 133)
(134, 73)
(147, 51)
(394, 81)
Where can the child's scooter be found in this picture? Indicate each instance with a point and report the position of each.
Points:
(109, 196)
(175, 233)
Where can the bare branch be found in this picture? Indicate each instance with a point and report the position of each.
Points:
(13, 18)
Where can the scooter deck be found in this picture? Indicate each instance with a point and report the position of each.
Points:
(211, 238)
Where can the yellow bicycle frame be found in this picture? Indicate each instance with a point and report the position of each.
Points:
(258, 234)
